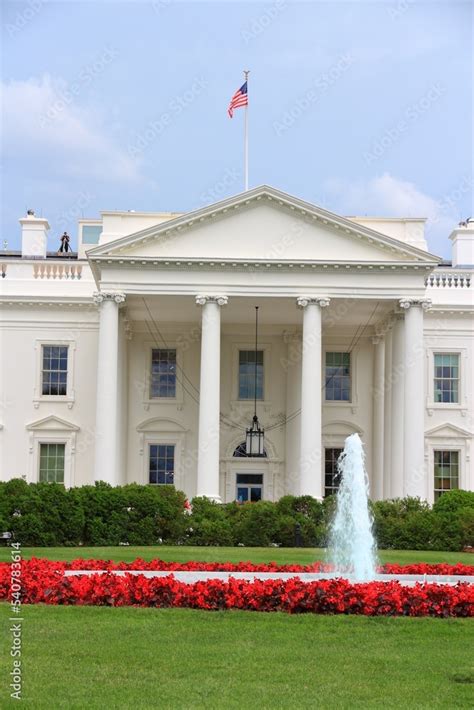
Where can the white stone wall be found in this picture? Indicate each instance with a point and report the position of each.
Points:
(23, 330)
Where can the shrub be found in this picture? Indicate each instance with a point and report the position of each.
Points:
(48, 514)
(210, 532)
(453, 501)
(256, 524)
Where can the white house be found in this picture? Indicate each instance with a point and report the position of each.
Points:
(134, 359)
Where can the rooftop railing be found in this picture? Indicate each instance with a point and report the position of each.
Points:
(57, 271)
(444, 279)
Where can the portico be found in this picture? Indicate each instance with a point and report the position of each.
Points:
(294, 355)
(326, 288)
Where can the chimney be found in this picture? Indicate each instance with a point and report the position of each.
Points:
(34, 236)
(463, 244)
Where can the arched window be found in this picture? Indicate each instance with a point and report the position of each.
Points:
(241, 452)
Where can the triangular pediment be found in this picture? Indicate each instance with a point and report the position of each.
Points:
(263, 224)
(448, 430)
(52, 423)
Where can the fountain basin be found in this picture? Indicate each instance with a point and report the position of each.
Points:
(191, 577)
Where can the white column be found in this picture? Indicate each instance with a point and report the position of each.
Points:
(292, 370)
(311, 475)
(415, 479)
(209, 397)
(397, 385)
(378, 418)
(387, 417)
(107, 415)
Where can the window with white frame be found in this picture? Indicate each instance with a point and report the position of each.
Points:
(51, 463)
(446, 472)
(332, 476)
(250, 369)
(161, 464)
(163, 373)
(446, 377)
(54, 370)
(249, 487)
(338, 377)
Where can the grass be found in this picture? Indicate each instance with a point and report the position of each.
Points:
(95, 657)
(282, 555)
(77, 657)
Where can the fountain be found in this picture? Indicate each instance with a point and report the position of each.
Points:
(352, 547)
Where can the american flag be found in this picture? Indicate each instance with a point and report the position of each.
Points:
(240, 98)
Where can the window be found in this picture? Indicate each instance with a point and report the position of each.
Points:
(446, 472)
(51, 467)
(332, 477)
(161, 467)
(247, 374)
(446, 377)
(249, 487)
(338, 377)
(163, 373)
(54, 370)
(241, 451)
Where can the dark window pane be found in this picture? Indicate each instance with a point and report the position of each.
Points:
(161, 463)
(54, 370)
(250, 478)
(332, 475)
(337, 377)
(163, 373)
(242, 495)
(247, 374)
(255, 494)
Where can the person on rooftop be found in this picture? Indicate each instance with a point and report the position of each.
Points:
(65, 239)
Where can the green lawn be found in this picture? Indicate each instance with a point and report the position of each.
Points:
(78, 657)
(285, 555)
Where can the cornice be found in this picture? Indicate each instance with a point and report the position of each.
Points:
(180, 264)
(56, 302)
(461, 310)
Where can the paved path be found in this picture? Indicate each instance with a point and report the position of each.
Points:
(191, 577)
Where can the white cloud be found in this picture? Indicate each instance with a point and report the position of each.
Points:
(388, 196)
(42, 121)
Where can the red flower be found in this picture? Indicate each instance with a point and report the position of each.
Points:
(43, 581)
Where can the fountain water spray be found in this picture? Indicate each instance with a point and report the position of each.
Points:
(353, 550)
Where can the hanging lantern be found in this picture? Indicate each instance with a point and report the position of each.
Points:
(255, 435)
(254, 442)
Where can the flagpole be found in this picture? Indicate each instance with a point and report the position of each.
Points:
(246, 137)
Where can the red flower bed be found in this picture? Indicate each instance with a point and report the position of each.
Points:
(43, 581)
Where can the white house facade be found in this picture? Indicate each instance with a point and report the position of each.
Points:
(134, 359)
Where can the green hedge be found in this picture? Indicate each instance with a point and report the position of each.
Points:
(44, 514)
(47, 514)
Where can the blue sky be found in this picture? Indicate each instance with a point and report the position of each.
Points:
(360, 107)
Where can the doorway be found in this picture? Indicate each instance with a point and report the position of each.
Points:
(249, 487)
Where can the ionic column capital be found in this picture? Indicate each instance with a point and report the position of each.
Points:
(304, 301)
(100, 296)
(202, 299)
(407, 303)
